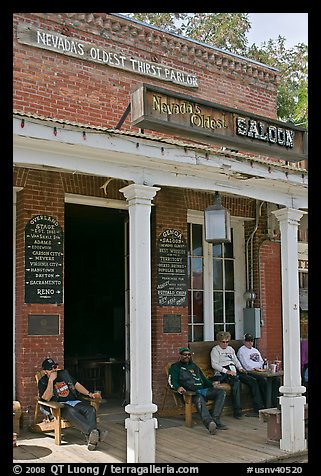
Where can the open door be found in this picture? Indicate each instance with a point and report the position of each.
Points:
(96, 292)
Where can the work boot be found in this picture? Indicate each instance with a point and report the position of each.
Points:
(93, 439)
(103, 435)
(219, 424)
(212, 428)
(238, 415)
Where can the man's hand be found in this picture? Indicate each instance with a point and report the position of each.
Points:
(95, 395)
(242, 371)
(231, 372)
(181, 390)
(52, 375)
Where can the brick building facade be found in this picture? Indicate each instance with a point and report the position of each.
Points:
(71, 152)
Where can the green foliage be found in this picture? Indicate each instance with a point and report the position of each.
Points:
(292, 104)
(228, 31)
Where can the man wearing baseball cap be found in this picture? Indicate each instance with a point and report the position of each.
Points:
(59, 386)
(186, 375)
(251, 359)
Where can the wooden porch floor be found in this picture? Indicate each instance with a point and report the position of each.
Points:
(243, 442)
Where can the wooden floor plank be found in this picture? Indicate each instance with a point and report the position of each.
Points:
(243, 442)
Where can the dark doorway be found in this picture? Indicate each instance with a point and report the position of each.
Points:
(94, 323)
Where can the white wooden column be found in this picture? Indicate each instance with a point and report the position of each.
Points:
(292, 402)
(141, 425)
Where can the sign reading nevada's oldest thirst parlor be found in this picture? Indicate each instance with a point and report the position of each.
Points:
(43, 261)
(171, 268)
(116, 58)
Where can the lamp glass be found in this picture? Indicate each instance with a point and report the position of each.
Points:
(217, 223)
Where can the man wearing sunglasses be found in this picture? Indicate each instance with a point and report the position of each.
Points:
(58, 386)
(229, 369)
(186, 375)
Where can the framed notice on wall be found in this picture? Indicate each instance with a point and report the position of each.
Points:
(171, 268)
(172, 323)
(43, 261)
(43, 325)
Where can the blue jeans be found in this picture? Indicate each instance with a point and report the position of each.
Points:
(82, 416)
(235, 383)
(218, 396)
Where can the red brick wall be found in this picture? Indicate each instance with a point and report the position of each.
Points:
(43, 193)
(59, 86)
(270, 343)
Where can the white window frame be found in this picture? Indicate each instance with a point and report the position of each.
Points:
(237, 224)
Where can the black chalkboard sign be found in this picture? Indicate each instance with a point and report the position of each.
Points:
(43, 261)
(171, 268)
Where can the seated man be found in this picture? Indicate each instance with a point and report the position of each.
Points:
(58, 386)
(186, 375)
(229, 369)
(251, 359)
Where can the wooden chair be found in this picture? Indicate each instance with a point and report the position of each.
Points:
(183, 403)
(54, 421)
(91, 375)
(72, 365)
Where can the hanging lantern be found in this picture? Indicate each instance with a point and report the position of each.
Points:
(217, 222)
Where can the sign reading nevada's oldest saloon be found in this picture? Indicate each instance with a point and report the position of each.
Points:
(43, 260)
(70, 46)
(171, 268)
(167, 111)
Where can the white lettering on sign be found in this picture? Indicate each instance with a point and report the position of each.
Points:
(261, 131)
(53, 41)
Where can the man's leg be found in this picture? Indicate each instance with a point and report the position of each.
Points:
(218, 396)
(236, 395)
(82, 416)
(255, 391)
(204, 413)
(262, 383)
(275, 390)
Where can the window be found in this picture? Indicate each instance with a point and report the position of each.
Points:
(195, 283)
(215, 284)
(223, 288)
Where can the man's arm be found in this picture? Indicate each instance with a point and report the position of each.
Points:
(236, 361)
(242, 358)
(215, 361)
(207, 383)
(173, 377)
(83, 390)
(48, 393)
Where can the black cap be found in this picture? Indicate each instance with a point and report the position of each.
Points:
(49, 364)
(248, 337)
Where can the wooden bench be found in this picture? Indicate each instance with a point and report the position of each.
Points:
(182, 405)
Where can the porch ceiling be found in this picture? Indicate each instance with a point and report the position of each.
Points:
(152, 162)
